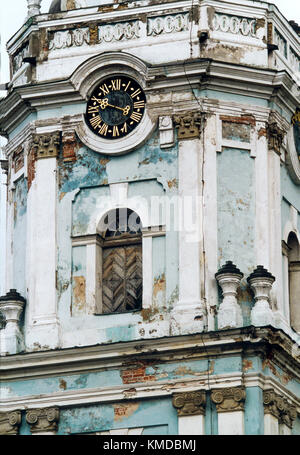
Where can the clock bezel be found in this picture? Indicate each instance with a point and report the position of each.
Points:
(104, 80)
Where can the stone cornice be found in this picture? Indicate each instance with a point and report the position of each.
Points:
(89, 358)
(229, 399)
(202, 73)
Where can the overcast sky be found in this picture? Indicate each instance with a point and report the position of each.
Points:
(13, 14)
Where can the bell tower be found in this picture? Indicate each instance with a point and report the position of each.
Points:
(152, 220)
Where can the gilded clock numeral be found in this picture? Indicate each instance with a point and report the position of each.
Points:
(125, 89)
(104, 89)
(124, 128)
(93, 109)
(96, 122)
(139, 104)
(116, 84)
(135, 93)
(103, 129)
(116, 131)
(136, 116)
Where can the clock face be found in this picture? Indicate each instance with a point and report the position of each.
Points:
(116, 107)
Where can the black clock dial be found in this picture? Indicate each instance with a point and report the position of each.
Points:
(116, 107)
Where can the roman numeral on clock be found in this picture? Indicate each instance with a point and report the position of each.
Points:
(96, 122)
(104, 89)
(136, 116)
(93, 109)
(116, 84)
(116, 131)
(138, 104)
(136, 93)
(103, 129)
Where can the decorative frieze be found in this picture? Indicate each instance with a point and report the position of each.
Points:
(172, 23)
(10, 422)
(188, 125)
(43, 420)
(294, 60)
(279, 407)
(70, 38)
(94, 34)
(46, 145)
(121, 31)
(234, 24)
(190, 403)
(18, 159)
(281, 42)
(229, 399)
(17, 60)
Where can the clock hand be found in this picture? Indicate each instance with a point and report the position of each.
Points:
(104, 103)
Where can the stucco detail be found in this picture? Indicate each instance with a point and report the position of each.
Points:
(229, 399)
(279, 407)
(46, 145)
(188, 125)
(43, 420)
(10, 422)
(190, 403)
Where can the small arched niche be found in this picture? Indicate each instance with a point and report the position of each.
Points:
(122, 275)
(294, 280)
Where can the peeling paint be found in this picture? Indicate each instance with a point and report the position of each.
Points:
(124, 410)
(79, 293)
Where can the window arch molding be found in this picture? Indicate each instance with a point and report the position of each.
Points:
(94, 243)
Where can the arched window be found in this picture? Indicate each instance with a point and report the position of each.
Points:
(122, 277)
(294, 280)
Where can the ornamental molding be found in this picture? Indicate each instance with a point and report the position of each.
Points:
(236, 25)
(43, 420)
(279, 407)
(275, 136)
(229, 399)
(171, 23)
(10, 422)
(46, 145)
(189, 403)
(188, 125)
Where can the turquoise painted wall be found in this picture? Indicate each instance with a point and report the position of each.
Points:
(236, 217)
(19, 236)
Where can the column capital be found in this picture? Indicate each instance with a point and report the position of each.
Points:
(188, 124)
(43, 420)
(46, 145)
(275, 136)
(189, 403)
(229, 399)
(279, 407)
(10, 422)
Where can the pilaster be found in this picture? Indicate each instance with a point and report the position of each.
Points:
(43, 325)
(190, 408)
(230, 407)
(189, 314)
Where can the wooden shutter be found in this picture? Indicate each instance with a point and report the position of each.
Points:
(122, 278)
